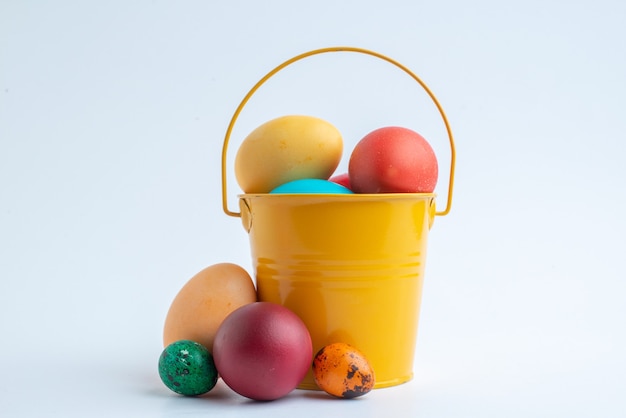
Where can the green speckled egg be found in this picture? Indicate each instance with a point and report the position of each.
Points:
(186, 367)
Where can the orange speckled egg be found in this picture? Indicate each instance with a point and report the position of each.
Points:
(343, 371)
(204, 301)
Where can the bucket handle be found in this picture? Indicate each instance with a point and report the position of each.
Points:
(321, 51)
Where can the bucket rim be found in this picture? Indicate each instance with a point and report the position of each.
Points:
(339, 196)
(356, 201)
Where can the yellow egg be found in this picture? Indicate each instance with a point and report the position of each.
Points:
(287, 148)
(204, 301)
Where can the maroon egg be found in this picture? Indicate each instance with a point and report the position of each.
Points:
(262, 351)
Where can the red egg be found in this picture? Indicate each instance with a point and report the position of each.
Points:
(393, 160)
(342, 179)
(262, 351)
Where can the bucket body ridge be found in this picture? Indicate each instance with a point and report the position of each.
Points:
(350, 266)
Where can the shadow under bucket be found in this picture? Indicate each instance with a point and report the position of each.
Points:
(350, 266)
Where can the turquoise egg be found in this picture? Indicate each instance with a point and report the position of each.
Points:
(187, 367)
(314, 186)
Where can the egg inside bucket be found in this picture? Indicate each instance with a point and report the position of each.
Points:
(287, 148)
(314, 186)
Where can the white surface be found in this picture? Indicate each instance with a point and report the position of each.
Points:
(111, 121)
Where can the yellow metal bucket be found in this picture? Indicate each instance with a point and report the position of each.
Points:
(350, 266)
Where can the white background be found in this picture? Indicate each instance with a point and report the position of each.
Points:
(112, 116)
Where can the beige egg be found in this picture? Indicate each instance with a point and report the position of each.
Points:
(204, 301)
(287, 148)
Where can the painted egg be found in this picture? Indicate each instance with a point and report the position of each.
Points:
(343, 179)
(314, 186)
(205, 300)
(287, 148)
(187, 367)
(263, 351)
(343, 371)
(393, 160)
